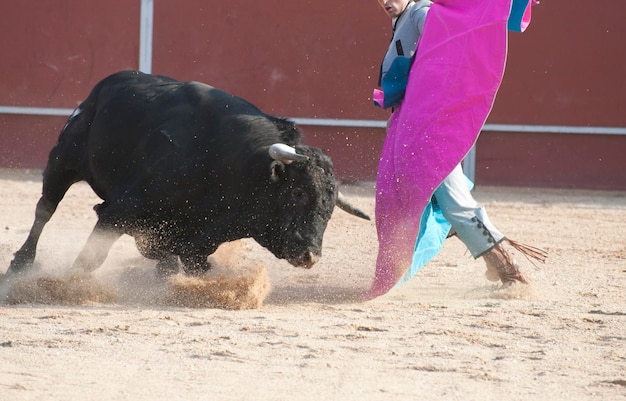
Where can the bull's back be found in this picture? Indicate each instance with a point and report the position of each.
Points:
(147, 126)
(132, 106)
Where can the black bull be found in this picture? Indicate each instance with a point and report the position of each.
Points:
(183, 167)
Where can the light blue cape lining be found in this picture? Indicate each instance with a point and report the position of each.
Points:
(434, 229)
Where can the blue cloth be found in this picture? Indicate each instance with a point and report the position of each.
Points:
(518, 9)
(434, 229)
(394, 82)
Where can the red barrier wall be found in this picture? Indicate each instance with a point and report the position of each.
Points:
(316, 59)
(299, 59)
(53, 51)
(551, 160)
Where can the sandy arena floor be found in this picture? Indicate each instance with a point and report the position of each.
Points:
(448, 334)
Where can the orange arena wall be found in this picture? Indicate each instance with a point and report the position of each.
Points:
(558, 120)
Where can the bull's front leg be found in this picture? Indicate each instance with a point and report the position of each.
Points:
(194, 253)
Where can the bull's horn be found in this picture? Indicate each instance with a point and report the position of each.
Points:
(285, 153)
(342, 203)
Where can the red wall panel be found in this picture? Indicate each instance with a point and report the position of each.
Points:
(301, 59)
(53, 51)
(551, 160)
(354, 152)
(568, 68)
(26, 141)
(321, 59)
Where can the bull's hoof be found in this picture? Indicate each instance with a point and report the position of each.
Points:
(195, 265)
(197, 271)
(6, 278)
(15, 272)
(167, 266)
(21, 263)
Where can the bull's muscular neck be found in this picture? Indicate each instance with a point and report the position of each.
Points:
(242, 201)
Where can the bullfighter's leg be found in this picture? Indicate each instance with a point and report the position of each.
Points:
(56, 182)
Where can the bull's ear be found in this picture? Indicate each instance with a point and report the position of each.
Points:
(277, 169)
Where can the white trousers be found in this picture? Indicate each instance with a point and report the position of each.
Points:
(467, 217)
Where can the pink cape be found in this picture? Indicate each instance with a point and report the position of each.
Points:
(451, 89)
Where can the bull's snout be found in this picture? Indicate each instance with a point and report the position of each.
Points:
(306, 260)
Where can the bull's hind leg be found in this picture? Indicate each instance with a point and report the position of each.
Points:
(114, 219)
(148, 245)
(195, 265)
(55, 185)
(167, 266)
(97, 247)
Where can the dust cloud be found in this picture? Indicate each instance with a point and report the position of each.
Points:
(234, 282)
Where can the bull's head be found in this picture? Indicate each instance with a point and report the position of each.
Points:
(307, 195)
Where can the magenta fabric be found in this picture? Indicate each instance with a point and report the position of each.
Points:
(451, 89)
